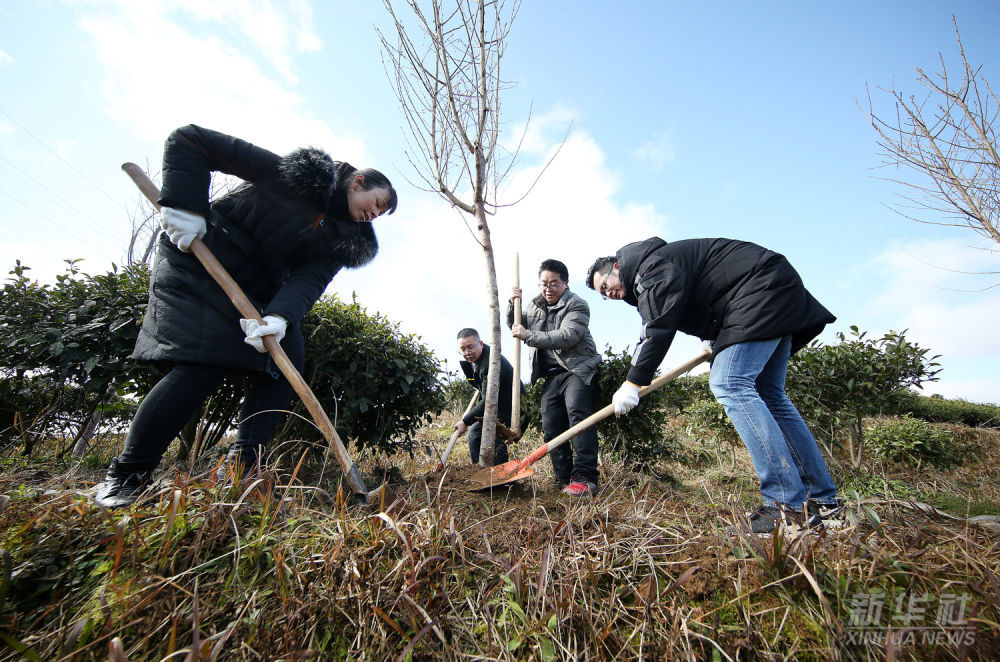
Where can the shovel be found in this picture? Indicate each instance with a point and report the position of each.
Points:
(454, 435)
(519, 470)
(247, 309)
(515, 402)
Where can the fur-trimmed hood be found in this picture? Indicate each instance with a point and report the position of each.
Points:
(313, 175)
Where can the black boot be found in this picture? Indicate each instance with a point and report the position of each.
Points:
(123, 484)
(241, 460)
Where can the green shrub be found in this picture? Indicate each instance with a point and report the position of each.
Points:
(855, 378)
(377, 384)
(531, 406)
(937, 409)
(457, 392)
(639, 439)
(65, 347)
(913, 441)
(685, 391)
(64, 355)
(707, 419)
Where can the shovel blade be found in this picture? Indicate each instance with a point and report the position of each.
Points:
(504, 474)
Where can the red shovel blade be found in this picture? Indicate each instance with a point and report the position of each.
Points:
(503, 474)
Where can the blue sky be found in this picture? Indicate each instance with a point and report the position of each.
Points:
(685, 120)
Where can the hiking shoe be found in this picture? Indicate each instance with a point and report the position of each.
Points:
(123, 485)
(766, 519)
(579, 488)
(833, 515)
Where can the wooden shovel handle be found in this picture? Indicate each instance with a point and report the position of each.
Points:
(247, 310)
(454, 435)
(599, 416)
(515, 402)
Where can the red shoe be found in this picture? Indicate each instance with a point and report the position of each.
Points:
(580, 488)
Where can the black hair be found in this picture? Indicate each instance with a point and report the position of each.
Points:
(601, 266)
(375, 179)
(371, 178)
(468, 332)
(555, 266)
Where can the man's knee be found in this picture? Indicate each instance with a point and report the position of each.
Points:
(723, 385)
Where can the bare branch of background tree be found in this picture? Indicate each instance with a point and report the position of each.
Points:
(948, 138)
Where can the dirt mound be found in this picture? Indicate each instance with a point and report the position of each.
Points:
(471, 477)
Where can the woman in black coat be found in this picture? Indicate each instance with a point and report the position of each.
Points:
(282, 235)
(751, 304)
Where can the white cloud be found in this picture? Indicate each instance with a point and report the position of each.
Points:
(277, 29)
(5, 59)
(160, 75)
(538, 134)
(657, 153)
(923, 292)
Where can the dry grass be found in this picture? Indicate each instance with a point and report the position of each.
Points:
(285, 568)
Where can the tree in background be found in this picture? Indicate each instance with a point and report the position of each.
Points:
(445, 69)
(949, 139)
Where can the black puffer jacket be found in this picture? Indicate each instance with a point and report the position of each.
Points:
(282, 235)
(722, 290)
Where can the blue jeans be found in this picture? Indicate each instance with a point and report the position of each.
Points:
(748, 378)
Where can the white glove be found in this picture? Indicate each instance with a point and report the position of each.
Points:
(274, 325)
(626, 397)
(182, 227)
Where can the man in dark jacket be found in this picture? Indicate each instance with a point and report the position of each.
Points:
(751, 304)
(283, 235)
(556, 326)
(476, 367)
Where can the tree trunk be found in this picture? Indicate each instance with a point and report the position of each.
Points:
(856, 443)
(493, 376)
(87, 432)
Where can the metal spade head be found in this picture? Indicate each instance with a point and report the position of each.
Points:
(503, 474)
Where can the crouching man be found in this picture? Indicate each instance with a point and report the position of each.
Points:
(476, 367)
(751, 304)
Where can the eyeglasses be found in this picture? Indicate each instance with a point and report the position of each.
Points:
(555, 285)
(603, 289)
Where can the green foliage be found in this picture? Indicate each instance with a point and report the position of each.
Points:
(65, 347)
(937, 409)
(685, 391)
(457, 392)
(64, 354)
(707, 419)
(857, 377)
(639, 439)
(376, 383)
(531, 405)
(913, 441)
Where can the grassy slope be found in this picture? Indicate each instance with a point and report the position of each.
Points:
(285, 568)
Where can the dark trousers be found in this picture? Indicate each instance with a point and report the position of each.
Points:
(475, 439)
(567, 400)
(181, 392)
